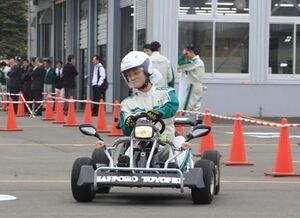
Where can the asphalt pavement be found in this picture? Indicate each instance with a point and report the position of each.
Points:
(35, 167)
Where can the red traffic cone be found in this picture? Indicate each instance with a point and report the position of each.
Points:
(179, 128)
(59, 112)
(21, 107)
(284, 163)
(206, 142)
(101, 122)
(11, 124)
(49, 115)
(237, 151)
(71, 119)
(87, 116)
(114, 130)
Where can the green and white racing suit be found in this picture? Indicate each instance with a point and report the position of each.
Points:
(161, 99)
(195, 71)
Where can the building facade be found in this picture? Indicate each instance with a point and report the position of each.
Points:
(251, 48)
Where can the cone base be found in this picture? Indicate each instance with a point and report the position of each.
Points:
(230, 163)
(71, 125)
(11, 130)
(277, 174)
(48, 119)
(103, 131)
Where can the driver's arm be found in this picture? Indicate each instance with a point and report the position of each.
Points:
(169, 108)
(124, 112)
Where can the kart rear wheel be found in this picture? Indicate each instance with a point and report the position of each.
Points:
(84, 193)
(215, 157)
(206, 194)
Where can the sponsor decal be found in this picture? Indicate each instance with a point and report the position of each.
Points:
(136, 179)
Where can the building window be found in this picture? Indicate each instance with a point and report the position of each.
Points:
(204, 7)
(281, 48)
(199, 35)
(231, 47)
(195, 7)
(285, 8)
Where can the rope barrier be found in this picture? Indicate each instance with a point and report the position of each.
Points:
(60, 99)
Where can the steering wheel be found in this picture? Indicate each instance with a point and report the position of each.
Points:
(162, 123)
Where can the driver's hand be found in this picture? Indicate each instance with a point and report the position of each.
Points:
(130, 121)
(153, 115)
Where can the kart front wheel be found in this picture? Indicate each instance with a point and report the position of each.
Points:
(206, 194)
(215, 157)
(84, 193)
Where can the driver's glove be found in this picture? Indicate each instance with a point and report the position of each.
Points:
(153, 115)
(130, 121)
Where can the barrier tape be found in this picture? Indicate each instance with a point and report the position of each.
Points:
(60, 99)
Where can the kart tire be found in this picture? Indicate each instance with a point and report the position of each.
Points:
(215, 157)
(99, 156)
(84, 193)
(204, 195)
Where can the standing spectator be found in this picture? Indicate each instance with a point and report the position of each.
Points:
(59, 83)
(69, 79)
(37, 85)
(26, 80)
(3, 75)
(147, 49)
(162, 64)
(49, 78)
(194, 68)
(98, 82)
(14, 80)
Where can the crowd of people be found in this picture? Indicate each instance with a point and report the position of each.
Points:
(37, 77)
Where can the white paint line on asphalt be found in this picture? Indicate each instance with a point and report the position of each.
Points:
(296, 161)
(7, 197)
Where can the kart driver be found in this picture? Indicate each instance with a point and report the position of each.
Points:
(162, 102)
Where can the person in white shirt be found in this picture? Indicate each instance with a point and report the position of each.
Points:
(162, 64)
(98, 79)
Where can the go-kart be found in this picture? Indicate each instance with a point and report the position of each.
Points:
(147, 159)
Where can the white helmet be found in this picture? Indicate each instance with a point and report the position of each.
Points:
(136, 59)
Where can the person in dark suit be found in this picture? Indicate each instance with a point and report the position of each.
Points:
(37, 85)
(69, 79)
(14, 80)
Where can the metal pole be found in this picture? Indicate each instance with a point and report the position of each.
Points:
(29, 30)
(134, 26)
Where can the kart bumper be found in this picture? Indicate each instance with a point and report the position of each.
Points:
(141, 177)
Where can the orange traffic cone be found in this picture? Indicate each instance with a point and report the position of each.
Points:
(71, 119)
(87, 116)
(11, 124)
(284, 163)
(101, 122)
(179, 128)
(206, 142)
(59, 112)
(21, 107)
(49, 115)
(237, 151)
(114, 130)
